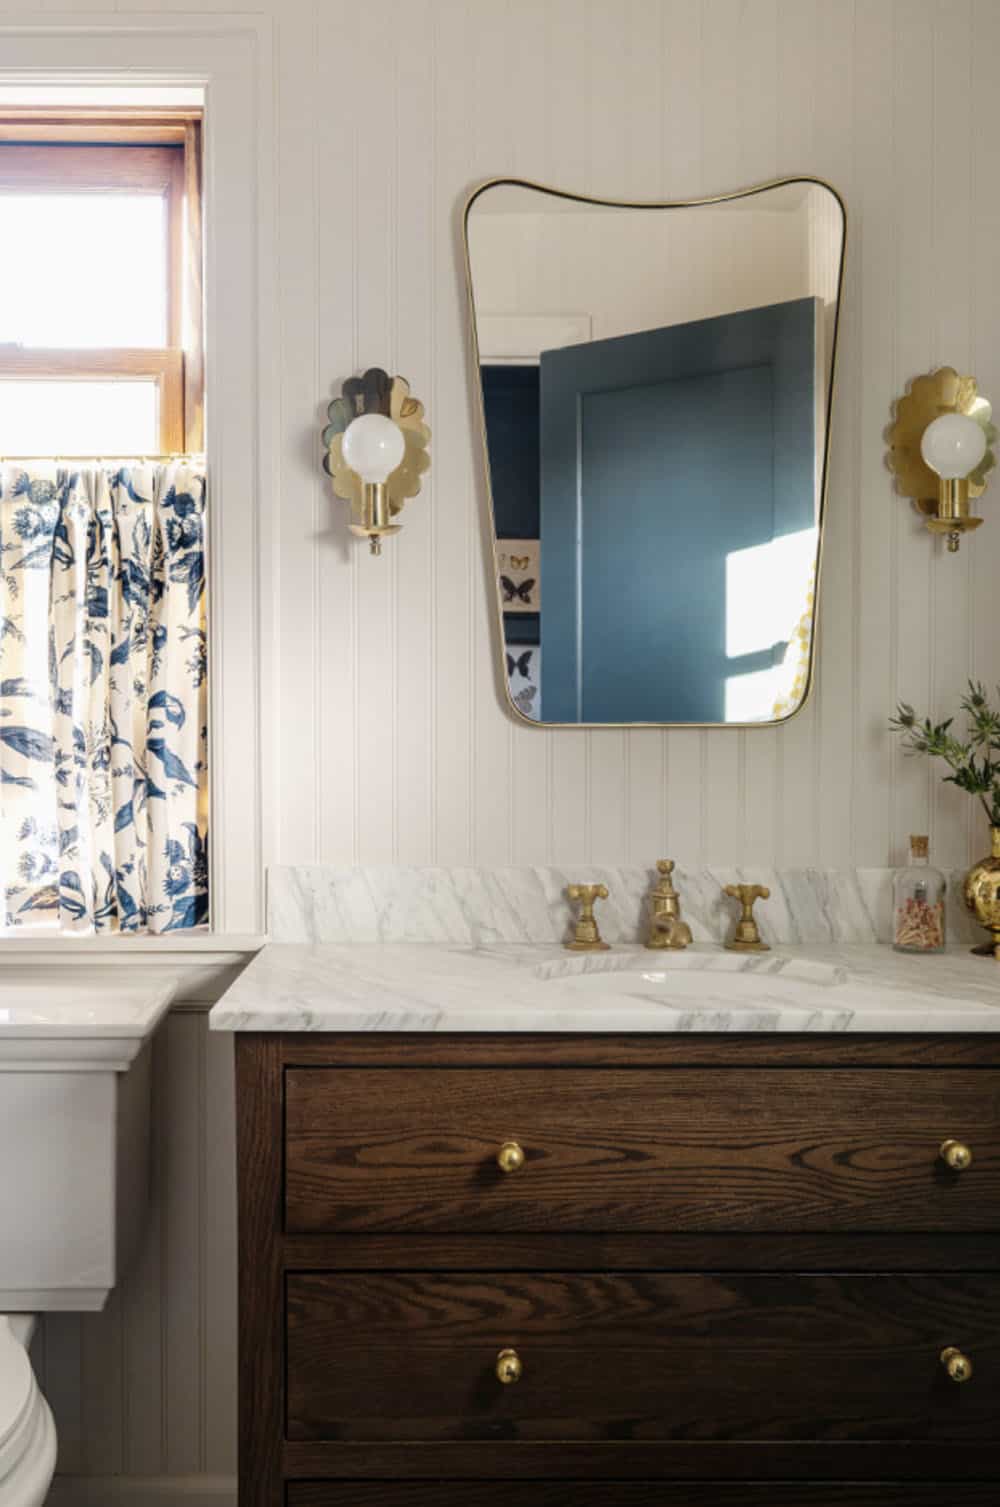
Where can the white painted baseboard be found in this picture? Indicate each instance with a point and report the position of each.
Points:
(142, 1491)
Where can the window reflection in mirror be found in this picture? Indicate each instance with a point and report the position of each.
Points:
(656, 388)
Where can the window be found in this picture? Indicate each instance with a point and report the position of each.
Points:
(100, 284)
(103, 526)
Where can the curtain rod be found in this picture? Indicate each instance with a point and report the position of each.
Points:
(131, 455)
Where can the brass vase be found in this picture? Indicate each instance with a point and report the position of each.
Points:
(982, 896)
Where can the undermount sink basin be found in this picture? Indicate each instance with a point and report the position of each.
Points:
(695, 971)
(702, 979)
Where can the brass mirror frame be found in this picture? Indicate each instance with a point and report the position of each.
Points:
(739, 193)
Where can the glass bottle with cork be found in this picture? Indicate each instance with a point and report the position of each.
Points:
(918, 903)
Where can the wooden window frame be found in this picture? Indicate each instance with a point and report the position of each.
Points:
(157, 153)
(164, 366)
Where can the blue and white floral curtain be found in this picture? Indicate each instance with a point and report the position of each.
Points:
(103, 697)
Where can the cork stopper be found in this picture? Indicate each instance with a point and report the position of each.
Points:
(919, 846)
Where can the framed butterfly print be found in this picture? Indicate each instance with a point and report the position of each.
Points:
(524, 677)
(519, 574)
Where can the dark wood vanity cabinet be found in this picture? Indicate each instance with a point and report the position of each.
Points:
(727, 1268)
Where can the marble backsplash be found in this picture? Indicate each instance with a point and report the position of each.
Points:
(480, 907)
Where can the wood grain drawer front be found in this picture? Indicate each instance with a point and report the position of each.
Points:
(668, 1149)
(641, 1494)
(641, 1356)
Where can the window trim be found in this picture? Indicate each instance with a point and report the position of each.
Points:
(231, 58)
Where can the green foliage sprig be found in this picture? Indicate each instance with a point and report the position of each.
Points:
(974, 767)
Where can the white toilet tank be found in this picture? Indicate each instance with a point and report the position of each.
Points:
(74, 1132)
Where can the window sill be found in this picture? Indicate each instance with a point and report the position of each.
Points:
(53, 944)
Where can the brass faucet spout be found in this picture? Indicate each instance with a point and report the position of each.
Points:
(666, 929)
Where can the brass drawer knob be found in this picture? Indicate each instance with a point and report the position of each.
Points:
(508, 1367)
(510, 1157)
(957, 1365)
(956, 1155)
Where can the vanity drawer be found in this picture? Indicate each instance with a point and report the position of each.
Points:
(631, 1149)
(641, 1356)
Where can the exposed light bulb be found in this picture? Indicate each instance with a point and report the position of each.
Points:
(953, 445)
(373, 446)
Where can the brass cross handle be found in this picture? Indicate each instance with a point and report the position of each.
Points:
(746, 937)
(586, 937)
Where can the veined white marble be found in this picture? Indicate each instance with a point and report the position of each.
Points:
(542, 987)
(480, 907)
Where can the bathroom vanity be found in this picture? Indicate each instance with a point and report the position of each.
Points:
(692, 1229)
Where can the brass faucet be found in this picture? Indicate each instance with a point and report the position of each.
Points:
(586, 937)
(666, 929)
(746, 937)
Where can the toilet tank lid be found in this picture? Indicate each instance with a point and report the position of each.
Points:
(49, 1020)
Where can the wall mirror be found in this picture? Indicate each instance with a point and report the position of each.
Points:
(656, 383)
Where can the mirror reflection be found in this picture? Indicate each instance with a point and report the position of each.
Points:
(655, 391)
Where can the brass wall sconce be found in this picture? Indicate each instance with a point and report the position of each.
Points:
(941, 450)
(376, 451)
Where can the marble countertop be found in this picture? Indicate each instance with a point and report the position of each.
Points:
(413, 987)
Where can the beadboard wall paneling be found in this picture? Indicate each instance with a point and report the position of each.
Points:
(391, 741)
(147, 1388)
(403, 751)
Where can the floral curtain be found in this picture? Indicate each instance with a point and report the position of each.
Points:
(103, 697)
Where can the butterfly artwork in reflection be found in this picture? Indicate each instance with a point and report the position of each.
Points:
(524, 678)
(525, 699)
(517, 591)
(518, 574)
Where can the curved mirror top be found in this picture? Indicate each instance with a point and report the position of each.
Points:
(656, 385)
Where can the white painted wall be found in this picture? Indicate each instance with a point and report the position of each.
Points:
(632, 271)
(394, 745)
(391, 740)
